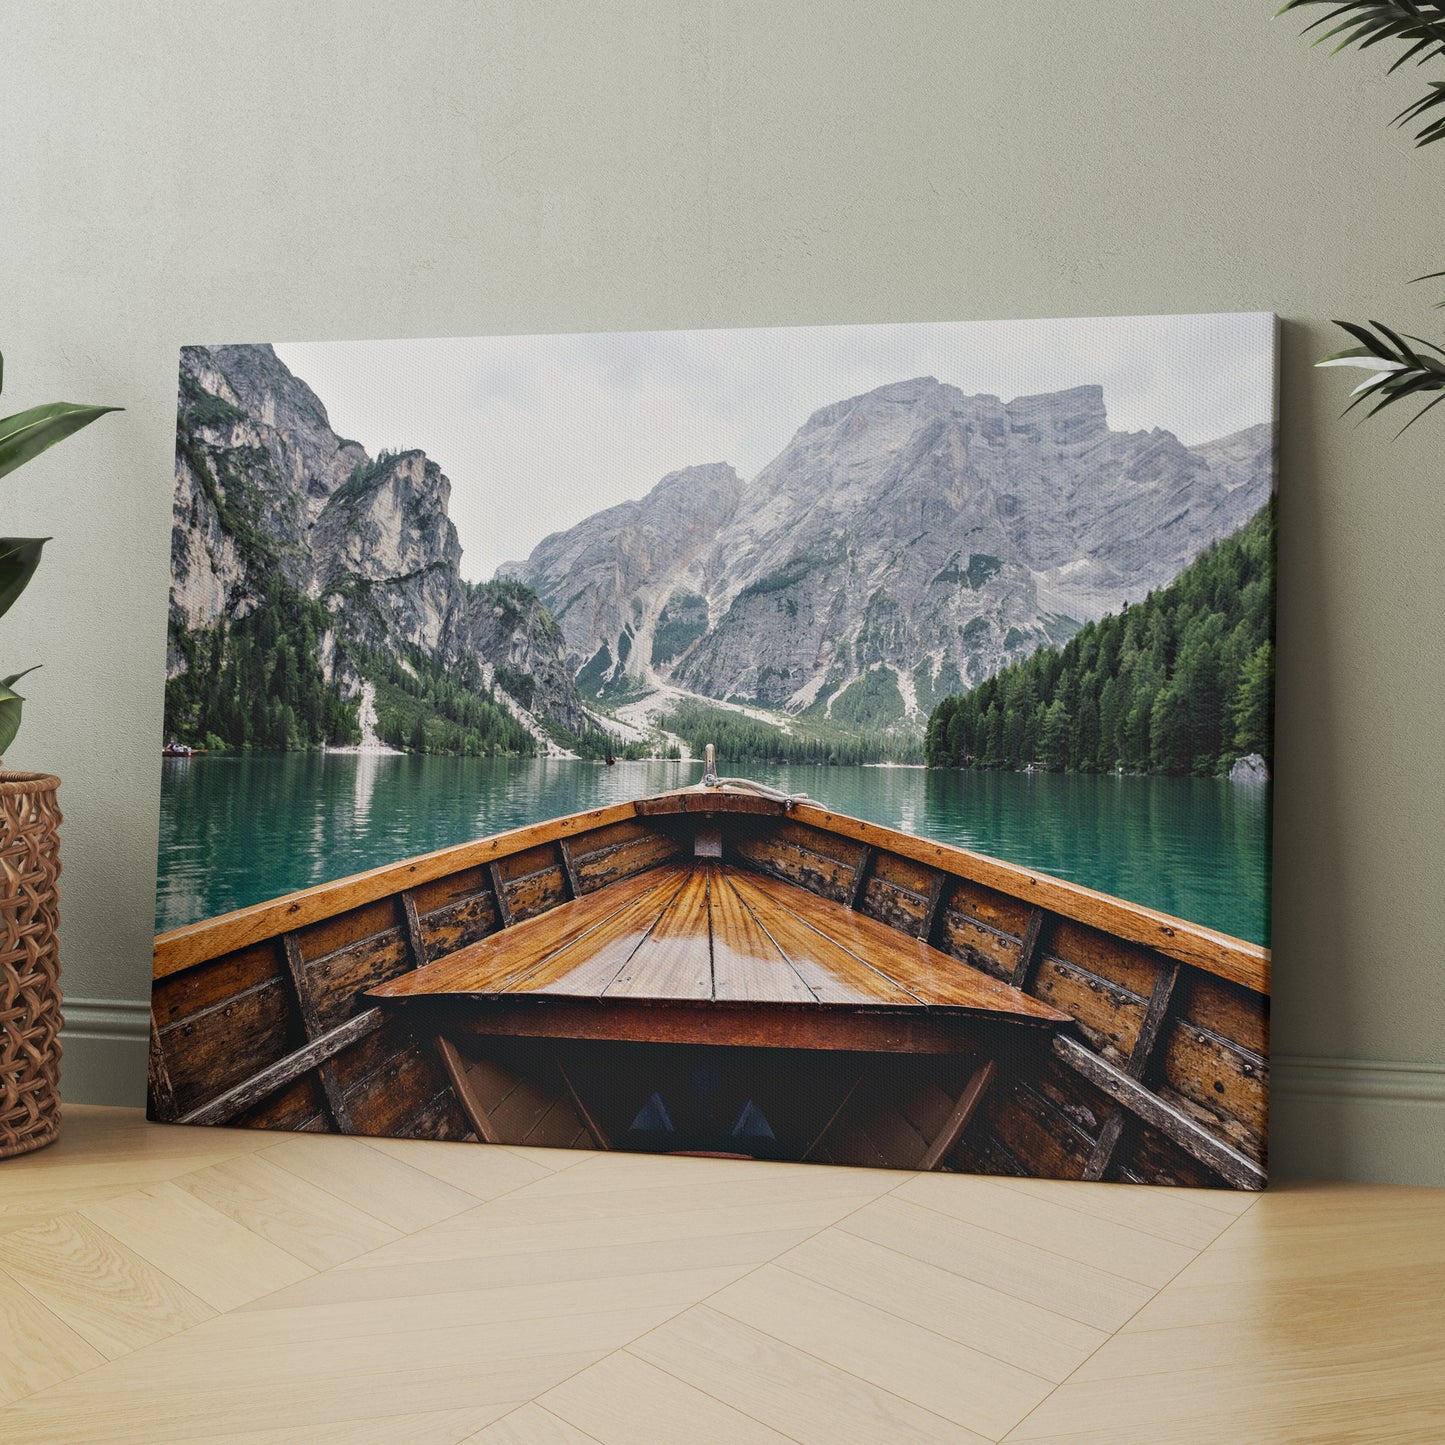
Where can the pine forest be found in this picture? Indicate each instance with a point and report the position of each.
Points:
(1180, 683)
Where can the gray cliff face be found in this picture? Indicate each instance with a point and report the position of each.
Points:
(914, 539)
(601, 579)
(265, 488)
(1237, 459)
(310, 461)
(255, 460)
(385, 558)
(515, 635)
(873, 542)
(209, 579)
(388, 520)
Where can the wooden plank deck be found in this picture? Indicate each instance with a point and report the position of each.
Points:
(714, 933)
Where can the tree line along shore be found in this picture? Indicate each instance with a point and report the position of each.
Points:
(1180, 683)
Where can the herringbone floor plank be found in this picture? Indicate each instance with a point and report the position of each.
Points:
(169, 1284)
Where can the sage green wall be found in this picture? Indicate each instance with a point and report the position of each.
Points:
(267, 171)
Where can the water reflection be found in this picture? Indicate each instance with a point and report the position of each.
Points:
(240, 829)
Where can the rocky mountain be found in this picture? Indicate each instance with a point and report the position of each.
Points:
(386, 559)
(524, 652)
(256, 460)
(905, 544)
(347, 564)
(608, 580)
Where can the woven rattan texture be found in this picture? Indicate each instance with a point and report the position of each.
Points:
(29, 962)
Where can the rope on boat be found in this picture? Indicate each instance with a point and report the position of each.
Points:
(711, 780)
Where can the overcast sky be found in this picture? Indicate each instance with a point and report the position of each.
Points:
(537, 432)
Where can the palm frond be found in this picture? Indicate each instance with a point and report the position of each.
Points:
(1436, 128)
(1419, 24)
(1430, 276)
(1399, 370)
(1419, 414)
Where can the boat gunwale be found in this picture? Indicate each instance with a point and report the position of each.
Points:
(1208, 950)
(181, 948)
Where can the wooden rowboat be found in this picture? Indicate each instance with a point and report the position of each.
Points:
(721, 970)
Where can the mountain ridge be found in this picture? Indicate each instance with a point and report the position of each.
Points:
(911, 529)
(906, 544)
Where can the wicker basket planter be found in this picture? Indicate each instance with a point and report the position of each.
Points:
(29, 962)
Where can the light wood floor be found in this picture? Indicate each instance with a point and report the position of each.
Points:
(160, 1283)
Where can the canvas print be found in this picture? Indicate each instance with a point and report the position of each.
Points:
(837, 744)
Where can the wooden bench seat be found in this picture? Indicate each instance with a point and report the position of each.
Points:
(705, 953)
(709, 933)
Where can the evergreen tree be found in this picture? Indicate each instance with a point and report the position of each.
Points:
(1180, 682)
(1055, 734)
(1253, 705)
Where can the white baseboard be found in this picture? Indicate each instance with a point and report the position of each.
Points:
(1360, 1119)
(1303, 1077)
(104, 1045)
(112, 1018)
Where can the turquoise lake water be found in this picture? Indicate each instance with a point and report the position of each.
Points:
(239, 829)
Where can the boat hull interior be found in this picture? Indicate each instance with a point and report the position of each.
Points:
(1022, 1025)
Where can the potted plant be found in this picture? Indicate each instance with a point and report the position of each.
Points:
(29, 844)
(1401, 370)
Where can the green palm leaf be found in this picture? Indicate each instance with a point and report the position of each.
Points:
(10, 706)
(23, 437)
(19, 557)
(28, 433)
